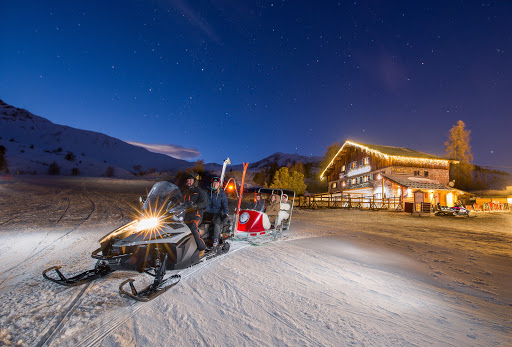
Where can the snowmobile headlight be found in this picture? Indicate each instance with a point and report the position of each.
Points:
(148, 223)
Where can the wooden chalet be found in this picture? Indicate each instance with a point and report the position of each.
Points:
(375, 171)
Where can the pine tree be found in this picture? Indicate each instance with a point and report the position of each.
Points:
(298, 167)
(458, 148)
(283, 179)
(54, 168)
(199, 167)
(330, 152)
(3, 162)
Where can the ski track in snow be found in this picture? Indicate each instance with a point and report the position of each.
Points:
(314, 288)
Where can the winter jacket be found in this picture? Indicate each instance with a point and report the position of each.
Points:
(198, 198)
(273, 208)
(258, 205)
(217, 202)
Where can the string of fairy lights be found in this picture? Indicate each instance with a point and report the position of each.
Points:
(396, 158)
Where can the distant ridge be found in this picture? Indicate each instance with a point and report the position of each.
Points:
(33, 143)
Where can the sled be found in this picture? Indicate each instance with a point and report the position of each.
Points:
(255, 226)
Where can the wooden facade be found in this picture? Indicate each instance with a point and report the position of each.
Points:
(385, 172)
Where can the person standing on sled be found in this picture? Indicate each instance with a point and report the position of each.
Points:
(196, 197)
(218, 208)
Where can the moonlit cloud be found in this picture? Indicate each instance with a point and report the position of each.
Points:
(174, 151)
(195, 19)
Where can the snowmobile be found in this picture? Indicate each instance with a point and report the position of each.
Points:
(157, 241)
(256, 223)
(457, 210)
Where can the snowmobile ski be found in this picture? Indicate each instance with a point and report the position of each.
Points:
(150, 292)
(159, 285)
(81, 278)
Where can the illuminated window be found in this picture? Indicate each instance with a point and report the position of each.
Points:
(333, 185)
(353, 181)
(343, 184)
(353, 164)
(366, 161)
(343, 168)
(365, 179)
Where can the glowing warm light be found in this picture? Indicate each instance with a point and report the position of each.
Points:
(148, 223)
(396, 159)
(379, 176)
(359, 170)
(449, 199)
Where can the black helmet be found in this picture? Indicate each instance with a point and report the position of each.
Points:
(192, 175)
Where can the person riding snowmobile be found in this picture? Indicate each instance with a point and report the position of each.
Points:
(217, 208)
(196, 197)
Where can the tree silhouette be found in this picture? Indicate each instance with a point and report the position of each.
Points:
(458, 148)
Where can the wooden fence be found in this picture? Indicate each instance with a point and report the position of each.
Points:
(333, 200)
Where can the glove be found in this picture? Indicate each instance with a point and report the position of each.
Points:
(189, 204)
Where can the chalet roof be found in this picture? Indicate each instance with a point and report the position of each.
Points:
(400, 153)
(416, 182)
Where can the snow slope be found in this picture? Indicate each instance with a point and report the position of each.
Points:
(33, 143)
(340, 278)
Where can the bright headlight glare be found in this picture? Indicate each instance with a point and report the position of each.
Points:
(148, 223)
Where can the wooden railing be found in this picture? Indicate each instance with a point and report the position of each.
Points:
(337, 200)
(492, 207)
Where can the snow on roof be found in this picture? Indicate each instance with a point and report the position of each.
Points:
(417, 182)
(387, 152)
(400, 151)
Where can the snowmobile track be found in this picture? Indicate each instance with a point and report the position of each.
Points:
(62, 318)
(100, 333)
(32, 255)
(65, 211)
(276, 317)
(55, 223)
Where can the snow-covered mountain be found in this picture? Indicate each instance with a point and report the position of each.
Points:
(280, 159)
(33, 143)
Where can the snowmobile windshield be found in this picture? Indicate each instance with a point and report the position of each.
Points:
(162, 195)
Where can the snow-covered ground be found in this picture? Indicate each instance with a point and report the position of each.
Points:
(338, 278)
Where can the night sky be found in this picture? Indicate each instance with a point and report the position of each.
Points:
(245, 79)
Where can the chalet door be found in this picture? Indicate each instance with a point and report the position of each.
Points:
(418, 199)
